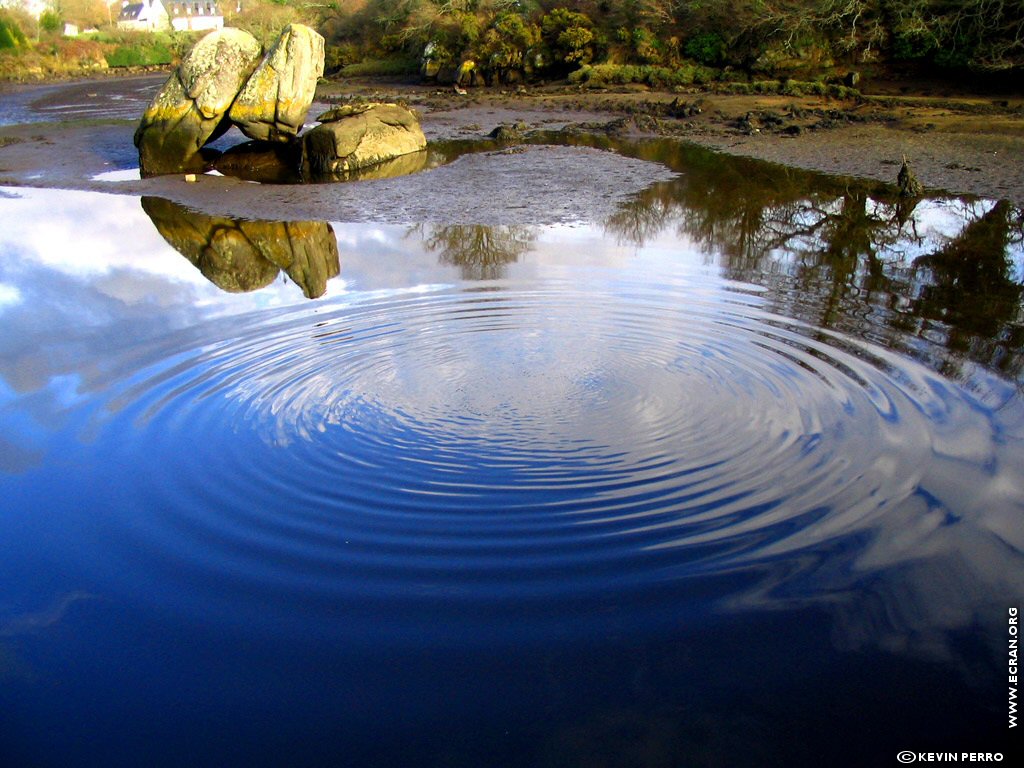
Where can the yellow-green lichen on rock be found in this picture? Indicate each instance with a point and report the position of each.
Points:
(274, 102)
(190, 110)
(350, 139)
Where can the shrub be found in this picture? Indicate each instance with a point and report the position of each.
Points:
(80, 52)
(150, 54)
(337, 56)
(707, 48)
(11, 35)
(507, 42)
(569, 38)
(647, 49)
(50, 21)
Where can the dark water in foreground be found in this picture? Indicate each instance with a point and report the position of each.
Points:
(734, 478)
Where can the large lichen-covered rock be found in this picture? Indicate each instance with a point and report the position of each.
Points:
(190, 110)
(353, 137)
(274, 102)
(239, 256)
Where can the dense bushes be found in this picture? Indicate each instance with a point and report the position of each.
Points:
(556, 37)
(656, 42)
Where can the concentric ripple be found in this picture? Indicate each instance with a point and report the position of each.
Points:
(546, 442)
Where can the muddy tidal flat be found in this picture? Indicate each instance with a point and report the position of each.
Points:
(969, 145)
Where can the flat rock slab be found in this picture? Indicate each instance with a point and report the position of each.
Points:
(191, 108)
(274, 102)
(354, 137)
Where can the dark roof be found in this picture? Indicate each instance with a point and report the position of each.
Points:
(203, 4)
(131, 12)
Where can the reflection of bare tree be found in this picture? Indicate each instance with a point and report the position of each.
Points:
(843, 254)
(971, 289)
(481, 252)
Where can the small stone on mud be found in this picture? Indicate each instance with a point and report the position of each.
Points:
(907, 182)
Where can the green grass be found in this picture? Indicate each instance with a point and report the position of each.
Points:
(790, 88)
(380, 68)
(655, 76)
(140, 55)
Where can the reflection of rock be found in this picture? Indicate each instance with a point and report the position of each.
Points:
(273, 103)
(263, 161)
(267, 162)
(355, 137)
(238, 255)
(306, 250)
(190, 109)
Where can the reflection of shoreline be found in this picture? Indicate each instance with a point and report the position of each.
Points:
(240, 255)
(845, 254)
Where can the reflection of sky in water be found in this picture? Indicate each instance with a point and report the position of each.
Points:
(575, 420)
(127, 174)
(80, 237)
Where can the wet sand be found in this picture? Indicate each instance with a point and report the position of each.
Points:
(81, 138)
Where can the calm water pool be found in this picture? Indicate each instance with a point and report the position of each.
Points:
(734, 477)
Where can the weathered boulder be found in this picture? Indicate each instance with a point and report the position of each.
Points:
(191, 108)
(238, 255)
(274, 101)
(509, 134)
(353, 137)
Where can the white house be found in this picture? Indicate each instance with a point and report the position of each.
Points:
(195, 15)
(143, 15)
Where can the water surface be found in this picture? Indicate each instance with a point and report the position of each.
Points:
(732, 477)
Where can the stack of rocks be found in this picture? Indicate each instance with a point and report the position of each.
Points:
(226, 80)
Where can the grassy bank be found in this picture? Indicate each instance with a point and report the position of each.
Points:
(109, 51)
